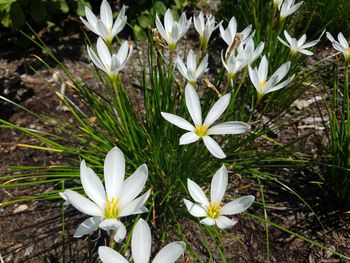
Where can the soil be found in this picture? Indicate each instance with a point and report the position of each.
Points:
(31, 231)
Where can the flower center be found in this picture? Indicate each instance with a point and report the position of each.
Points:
(347, 49)
(262, 85)
(214, 210)
(201, 130)
(111, 209)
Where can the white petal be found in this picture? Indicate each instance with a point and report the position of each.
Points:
(114, 170)
(188, 137)
(238, 205)
(170, 253)
(135, 206)
(108, 255)
(342, 40)
(91, 18)
(141, 242)
(114, 226)
(88, 25)
(229, 127)
(191, 61)
(218, 109)
(178, 121)
(119, 24)
(208, 221)
(95, 59)
(133, 185)
(168, 21)
(302, 40)
(83, 204)
(218, 185)
(281, 71)
(103, 52)
(213, 147)
(194, 209)
(92, 185)
(263, 69)
(106, 14)
(197, 193)
(123, 52)
(202, 67)
(306, 52)
(102, 30)
(193, 104)
(182, 68)
(279, 86)
(223, 222)
(161, 29)
(330, 37)
(282, 41)
(89, 226)
(254, 78)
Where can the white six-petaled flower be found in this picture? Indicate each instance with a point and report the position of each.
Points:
(298, 45)
(172, 30)
(110, 203)
(202, 130)
(231, 37)
(258, 76)
(205, 28)
(191, 72)
(104, 27)
(246, 55)
(110, 64)
(341, 45)
(288, 7)
(213, 211)
(141, 248)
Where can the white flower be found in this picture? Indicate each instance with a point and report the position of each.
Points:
(110, 203)
(192, 72)
(248, 51)
(234, 64)
(258, 76)
(341, 45)
(111, 64)
(141, 248)
(298, 45)
(104, 26)
(172, 30)
(201, 130)
(287, 7)
(205, 28)
(213, 211)
(230, 35)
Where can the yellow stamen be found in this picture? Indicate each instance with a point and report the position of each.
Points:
(111, 209)
(347, 49)
(214, 210)
(262, 85)
(201, 130)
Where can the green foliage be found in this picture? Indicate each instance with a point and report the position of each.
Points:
(145, 19)
(314, 15)
(338, 172)
(15, 13)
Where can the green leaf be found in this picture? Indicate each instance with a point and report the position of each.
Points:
(63, 6)
(139, 33)
(145, 21)
(159, 8)
(11, 14)
(80, 10)
(38, 10)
